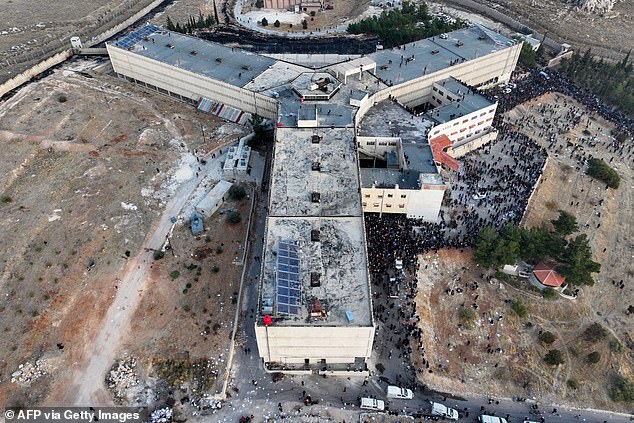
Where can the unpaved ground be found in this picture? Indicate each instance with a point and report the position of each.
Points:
(30, 31)
(518, 369)
(609, 36)
(83, 181)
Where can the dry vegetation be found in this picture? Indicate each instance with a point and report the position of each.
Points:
(80, 189)
(460, 361)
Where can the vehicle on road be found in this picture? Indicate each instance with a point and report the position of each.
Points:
(398, 264)
(372, 404)
(491, 419)
(399, 393)
(441, 410)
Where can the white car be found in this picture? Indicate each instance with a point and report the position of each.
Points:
(372, 404)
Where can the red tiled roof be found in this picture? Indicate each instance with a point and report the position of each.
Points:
(546, 275)
(438, 146)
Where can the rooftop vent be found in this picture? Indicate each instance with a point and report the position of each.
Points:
(314, 197)
(316, 166)
(314, 235)
(218, 59)
(169, 45)
(315, 279)
(315, 139)
(317, 309)
(193, 52)
(459, 43)
(435, 51)
(245, 67)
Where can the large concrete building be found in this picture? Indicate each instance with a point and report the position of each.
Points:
(330, 165)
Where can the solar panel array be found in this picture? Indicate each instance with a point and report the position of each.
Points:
(130, 40)
(289, 284)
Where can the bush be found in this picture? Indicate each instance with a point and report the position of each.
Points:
(594, 333)
(264, 22)
(186, 308)
(158, 254)
(62, 98)
(466, 316)
(237, 192)
(572, 384)
(519, 308)
(175, 274)
(219, 250)
(622, 389)
(6, 199)
(549, 293)
(276, 24)
(600, 170)
(594, 357)
(615, 346)
(380, 367)
(215, 269)
(547, 337)
(234, 217)
(554, 358)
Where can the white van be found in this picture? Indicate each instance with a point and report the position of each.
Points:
(441, 410)
(399, 393)
(491, 419)
(372, 404)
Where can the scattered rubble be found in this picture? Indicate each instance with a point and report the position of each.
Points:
(121, 377)
(29, 372)
(596, 6)
(161, 415)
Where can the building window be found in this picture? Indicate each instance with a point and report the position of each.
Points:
(376, 204)
(388, 205)
(370, 143)
(403, 195)
(367, 195)
(390, 196)
(401, 206)
(365, 204)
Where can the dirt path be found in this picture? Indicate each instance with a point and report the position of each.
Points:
(86, 387)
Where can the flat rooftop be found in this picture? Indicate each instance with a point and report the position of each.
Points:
(388, 119)
(293, 182)
(433, 54)
(337, 260)
(230, 65)
(469, 101)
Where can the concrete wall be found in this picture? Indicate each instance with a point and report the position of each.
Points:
(473, 144)
(189, 84)
(421, 203)
(378, 146)
(25, 76)
(293, 344)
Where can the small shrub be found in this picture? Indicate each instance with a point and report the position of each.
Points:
(215, 269)
(219, 250)
(62, 98)
(572, 384)
(127, 253)
(264, 22)
(186, 308)
(594, 333)
(519, 308)
(594, 357)
(191, 267)
(188, 285)
(547, 337)
(234, 217)
(175, 274)
(6, 199)
(380, 367)
(600, 170)
(622, 390)
(216, 327)
(467, 316)
(549, 293)
(158, 254)
(615, 346)
(237, 191)
(554, 358)
(276, 24)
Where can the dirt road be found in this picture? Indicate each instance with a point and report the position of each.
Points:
(86, 387)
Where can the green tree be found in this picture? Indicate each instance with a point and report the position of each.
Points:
(565, 224)
(234, 217)
(547, 337)
(622, 390)
(600, 170)
(528, 56)
(554, 358)
(594, 333)
(577, 264)
(549, 293)
(259, 4)
(486, 244)
(169, 24)
(276, 24)
(237, 192)
(594, 357)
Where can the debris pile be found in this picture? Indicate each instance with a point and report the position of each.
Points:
(28, 372)
(596, 6)
(161, 415)
(121, 377)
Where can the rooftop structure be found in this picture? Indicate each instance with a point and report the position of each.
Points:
(546, 275)
(314, 258)
(230, 65)
(308, 162)
(456, 99)
(315, 86)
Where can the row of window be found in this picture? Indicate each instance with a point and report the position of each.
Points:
(388, 196)
(381, 143)
(400, 206)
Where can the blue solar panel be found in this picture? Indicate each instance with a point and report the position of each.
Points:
(289, 286)
(131, 39)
